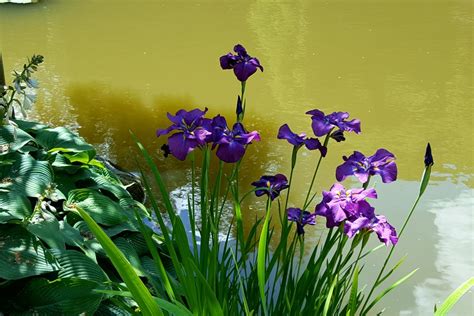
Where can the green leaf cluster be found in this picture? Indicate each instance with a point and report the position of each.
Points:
(51, 261)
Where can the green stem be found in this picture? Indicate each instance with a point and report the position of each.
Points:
(293, 164)
(326, 140)
(240, 117)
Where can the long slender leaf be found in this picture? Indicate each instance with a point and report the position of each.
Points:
(161, 185)
(261, 258)
(329, 297)
(124, 268)
(173, 308)
(390, 288)
(353, 297)
(454, 297)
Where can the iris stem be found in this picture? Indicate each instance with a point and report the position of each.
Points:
(192, 211)
(326, 140)
(240, 117)
(293, 164)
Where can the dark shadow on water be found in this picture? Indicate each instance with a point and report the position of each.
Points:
(105, 117)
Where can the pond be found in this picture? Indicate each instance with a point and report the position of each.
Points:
(403, 68)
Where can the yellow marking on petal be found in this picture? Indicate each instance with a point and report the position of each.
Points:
(268, 183)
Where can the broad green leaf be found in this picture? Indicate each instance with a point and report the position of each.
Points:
(454, 297)
(130, 253)
(75, 264)
(61, 139)
(107, 308)
(21, 255)
(30, 126)
(68, 296)
(102, 209)
(140, 293)
(13, 138)
(13, 206)
(29, 176)
(45, 226)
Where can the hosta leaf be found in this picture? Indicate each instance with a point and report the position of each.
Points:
(13, 138)
(101, 208)
(29, 176)
(21, 255)
(69, 296)
(60, 139)
(45, 226)
(30, 126)
(130, 253)
(67, 181)
(76, 264)
(107, 308)
(13, 206)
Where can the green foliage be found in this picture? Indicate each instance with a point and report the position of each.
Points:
(50, 259)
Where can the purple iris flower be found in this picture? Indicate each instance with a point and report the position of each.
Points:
(301, 218)
(244, 65)
(273, 185)
(192, 130)
(231, 144)
(340, 204)
(299, 140)
(382, 163)
(378, 224)
(350, 206)
(323, 124)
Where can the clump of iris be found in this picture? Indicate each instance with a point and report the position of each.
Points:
(351, 208)
(192, 130)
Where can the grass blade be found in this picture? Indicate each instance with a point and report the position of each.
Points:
(454, 297)
(126, 271)
(161, 185)
(390, 288)
(328, 298)
(353, 297)
(261, 258)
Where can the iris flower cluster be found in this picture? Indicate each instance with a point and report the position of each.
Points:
(350, 207)
(192, 130)
(343, 207)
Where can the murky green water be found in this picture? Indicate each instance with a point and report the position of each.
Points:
(405, 68)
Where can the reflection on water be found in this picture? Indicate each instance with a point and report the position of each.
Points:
(454, 260)
(403, 68)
